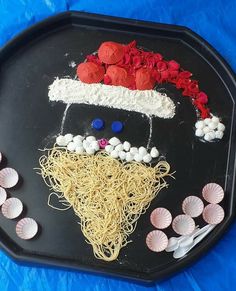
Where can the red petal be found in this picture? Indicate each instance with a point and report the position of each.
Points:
(173, 65)
(161, 66)
(202, 97)
(185, 75)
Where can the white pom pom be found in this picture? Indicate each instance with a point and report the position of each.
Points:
(91, 138)
(109, 148)
(129, 157)
(207, 121)
(199, 124)
(207, 136)
(95, 145)
(86, 144)
(215, 119)
(199, 132)
(79, 150)
(154, 152)
(147, 158)
(122, 155)
(78, 138)
(60, 140)
(126, 146)
(219, 134)
(206, 129)
(221, 126)
(71, 146)
(114, 141)
(90, 151)
(133, 150)
(142, 151)
(114, 154)
(212, 125)
(119, 147)
(138, 157)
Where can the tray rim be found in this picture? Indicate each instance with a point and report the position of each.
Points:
(19, 255)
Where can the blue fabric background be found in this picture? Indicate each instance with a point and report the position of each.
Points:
(215, 21)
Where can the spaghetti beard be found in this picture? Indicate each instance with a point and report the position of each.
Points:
(109, 196)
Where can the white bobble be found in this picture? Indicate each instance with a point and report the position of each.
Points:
(129, 157)
(90, 151)
(78, 143)
(206, 129)
(207, 121)
(114, 154)
(154, 152)
(114, 141)
(79, 150)
(199, 124)
(215, 119)
(147, 158)
(78, 138)
(86, 144)
(109, 148)
(90, 138)
(138, 157)
(212, 125)
(71, 146)
(199, 132)
(60, 140)
(122, 155)
(94, 144)
(68, 138)
(212, 135)
(207, 136)
(142, 151)
(119, 147)
(221, 126)
(134, 150)
(126, 146)
(219, 134)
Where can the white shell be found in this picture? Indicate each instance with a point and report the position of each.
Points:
(199, 124)
(207, 121)
(154, 152)
(213, 214)
(157, 241)
(86, 144)
(91, 138)
(114, 141)
(147, 158)
(119, 147)
(138, 158)
(206, 129)
(8, 177)
(129, 157)
(79, 150)
(68, 138)
(109, 148)
(122, 155)
(161, 218)
(199, 132)
(95, 145)
(213, 193)
(90, 150)
(71, 146)
(78, 138)
(3, 195)
(133, 150)
(61, 141)
(114, 154)
(126, 146)
(183, 224)
(219, 134)
(12, 208)
(221, 126)
(26, 228)
(192, 206)
(142, 151)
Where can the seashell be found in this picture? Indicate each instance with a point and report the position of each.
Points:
(8, 177)
(26, 228)
(12, 208)
(114, 141)
(161, 218)
(192, 206)
(157, 241)
(147, 158)
(213, 193)
(3, 195)
(213, 214)
(126, 146)
(183, 224)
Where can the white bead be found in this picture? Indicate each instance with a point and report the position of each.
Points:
(122, 155)
(212, 134)
(207, 136)
(119, 147)
(60, 140)
(199, 124)
(78, 138)
(207, 121)
(71, 146)
(86, 144)
(212, 125)
(215, 119)
(68, 138)
(90, 151)
(142, 151)
(199, 132)
(147, 158)
(206, 129)
(109, 148)
(221, 126)
(129, 157)
(114, 154)
(133, 150)
(91, 138)
(219, 134)
(114, 141)
(126, 146)
(79, 150)
(78, 143)
(154, 152)
(94, 144)
(138, 157)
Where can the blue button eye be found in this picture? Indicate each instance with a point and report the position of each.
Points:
(98, 124)
(117, 126)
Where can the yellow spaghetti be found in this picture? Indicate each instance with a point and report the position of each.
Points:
(108, 196)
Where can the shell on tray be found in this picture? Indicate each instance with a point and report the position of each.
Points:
(8, 178)
(3, 195)
(192, 206)
(183, 224)
(12, 208)
(213, 193)
(213, 214)
(157, 241)
(161, 218)
(26, 228)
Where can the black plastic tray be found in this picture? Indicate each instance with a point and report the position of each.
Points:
(28, 122)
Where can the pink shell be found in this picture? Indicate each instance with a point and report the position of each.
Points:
(26, 228)
(8, 177)
(161, 218)
(183, 224)
(213, 193)
(3, 196)
(156, 241)
(213, 214)
(12, 208)
(192, 206)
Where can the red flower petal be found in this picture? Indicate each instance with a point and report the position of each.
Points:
(161, 66)
(173, 65)
(202, 97)
(185, 75)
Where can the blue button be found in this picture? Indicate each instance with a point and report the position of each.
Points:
(98, 124)
(117, 126)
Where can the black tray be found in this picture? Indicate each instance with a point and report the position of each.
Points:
(28, 122)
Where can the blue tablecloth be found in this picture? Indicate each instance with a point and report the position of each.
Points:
(215, 21)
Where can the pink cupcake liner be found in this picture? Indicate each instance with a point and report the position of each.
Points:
(3, 195)
(183, 224)
(26, 228)
(213, 193)
(192, 206)
(161, 218)
(12, 208)
(8, 178)
(157, 241)
(213, 214)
